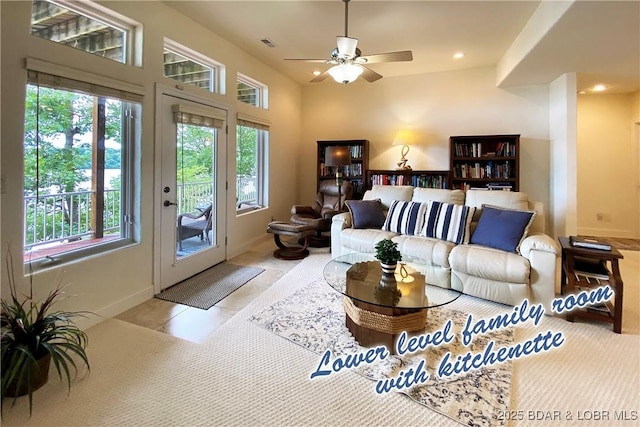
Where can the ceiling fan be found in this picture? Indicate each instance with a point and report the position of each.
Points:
(348, 62)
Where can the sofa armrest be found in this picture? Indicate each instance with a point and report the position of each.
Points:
(543, 254)
(539, 242)
(338, 223)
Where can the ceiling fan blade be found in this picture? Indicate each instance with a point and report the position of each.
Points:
(369, 75)
(307, 60)
(405, 55)
(320, 77)
(347, 46)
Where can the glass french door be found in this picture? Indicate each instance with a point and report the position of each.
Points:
(193, 180)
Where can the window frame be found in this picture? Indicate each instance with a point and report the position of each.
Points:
(132, 43)
(218, 69)
(261, 88)
(262, 160)
(68, 80)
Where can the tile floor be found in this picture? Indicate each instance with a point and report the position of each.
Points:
(196, 325)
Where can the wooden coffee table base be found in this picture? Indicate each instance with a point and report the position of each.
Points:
(372, 325)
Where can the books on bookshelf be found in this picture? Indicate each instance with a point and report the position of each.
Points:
(589, 243)
(425, 179)
(487, 170)
(475, 149)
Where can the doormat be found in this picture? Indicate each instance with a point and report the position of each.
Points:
(313, 318)
(206, 289)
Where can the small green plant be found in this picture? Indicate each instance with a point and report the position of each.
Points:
(387, 252)
(32, 331)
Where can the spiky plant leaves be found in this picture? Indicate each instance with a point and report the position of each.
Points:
(31, 331)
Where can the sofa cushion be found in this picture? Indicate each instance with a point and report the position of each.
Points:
(388, 193)
(455, 197)
(447, 221)
(434, 251)
(488, 263)
(366, 213)
(363, 240)
(405, 217)
(502, 228)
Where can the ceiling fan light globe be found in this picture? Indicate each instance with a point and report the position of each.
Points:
(345, 73)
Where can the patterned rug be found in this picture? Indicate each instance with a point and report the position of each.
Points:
(313, 317)
(206, 289)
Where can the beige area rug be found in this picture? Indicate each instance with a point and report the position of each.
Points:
(313, 317)
(244, 375)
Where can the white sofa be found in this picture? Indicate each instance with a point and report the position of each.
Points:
(476, 270)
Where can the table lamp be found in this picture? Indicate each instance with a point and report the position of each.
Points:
(338, 156)
(404, 138)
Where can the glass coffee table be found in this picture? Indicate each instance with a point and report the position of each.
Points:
(379, 307)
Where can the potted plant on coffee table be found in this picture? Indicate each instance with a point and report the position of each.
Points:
(388, 254)
(33, 335)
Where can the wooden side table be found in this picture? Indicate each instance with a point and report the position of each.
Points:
(600, 268)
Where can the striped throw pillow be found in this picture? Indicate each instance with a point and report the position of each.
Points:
(446, 221)
(405, 217)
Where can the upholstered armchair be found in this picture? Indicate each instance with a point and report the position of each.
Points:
(329, 202)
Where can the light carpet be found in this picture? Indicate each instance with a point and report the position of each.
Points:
(314, 318)
(244, 375)
(206, 289)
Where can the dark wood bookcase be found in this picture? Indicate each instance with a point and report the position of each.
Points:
(426, 179)
(485, 161)
(355, 172)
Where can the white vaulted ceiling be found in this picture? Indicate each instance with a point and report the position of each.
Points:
(599, 40)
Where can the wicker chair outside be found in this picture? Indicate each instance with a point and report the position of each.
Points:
(195, 224)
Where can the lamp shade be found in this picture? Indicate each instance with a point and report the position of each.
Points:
(337, 155)
(345, 73)
(404, 137)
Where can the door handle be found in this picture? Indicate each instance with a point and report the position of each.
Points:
(168, 203)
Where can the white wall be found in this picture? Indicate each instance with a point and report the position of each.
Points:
(562, 130)
(436, 106)
(607, 167)
(130, 270)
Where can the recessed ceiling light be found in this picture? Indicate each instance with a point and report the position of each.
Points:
(317, 73)
(458, 55)
(599, 88)
(582, 92)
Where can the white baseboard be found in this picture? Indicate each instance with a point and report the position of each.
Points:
(232, 253)
(115, 308)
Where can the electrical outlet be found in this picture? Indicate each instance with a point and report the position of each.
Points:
(599, 217)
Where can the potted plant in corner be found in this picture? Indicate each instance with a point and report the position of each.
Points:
(33, 335)
(388, 254)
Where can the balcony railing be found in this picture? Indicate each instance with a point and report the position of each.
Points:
(62, 217)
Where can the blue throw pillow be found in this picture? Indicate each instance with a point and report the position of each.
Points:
(366, 213)
(501, 228)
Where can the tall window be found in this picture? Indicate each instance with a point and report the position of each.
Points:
(85, 26)
(190, 67)
(78, 170)
(252, 92)
(252, 159)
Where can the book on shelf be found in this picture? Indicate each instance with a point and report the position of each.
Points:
(589, 243)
